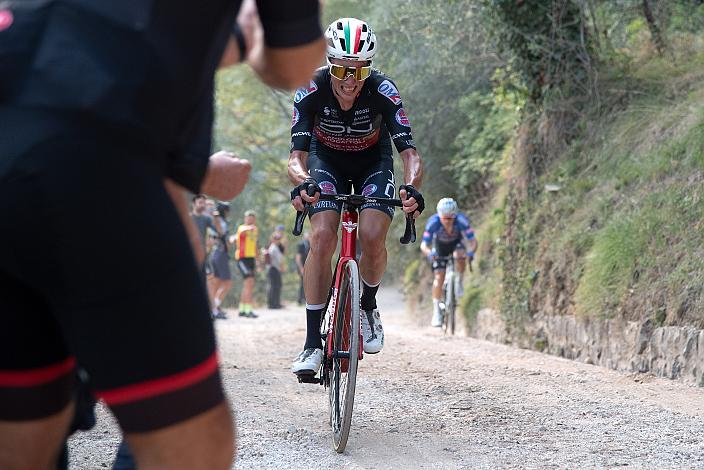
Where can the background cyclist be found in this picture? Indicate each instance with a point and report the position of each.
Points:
(444, 236)
(342, 128)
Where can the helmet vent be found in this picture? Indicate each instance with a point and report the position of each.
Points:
(343, 43)
(364, 28)
(371, 46)
(339, 25)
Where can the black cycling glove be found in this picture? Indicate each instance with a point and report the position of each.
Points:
(306, 186)
(412, 192)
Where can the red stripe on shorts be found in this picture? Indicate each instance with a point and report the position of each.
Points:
(150, 388)
(39, 376)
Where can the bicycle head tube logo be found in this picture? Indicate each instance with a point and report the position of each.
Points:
(349, 226)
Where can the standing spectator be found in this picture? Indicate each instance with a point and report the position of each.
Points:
(275, 252)
(246, 239)
(201, 218)
(301, 254)
(220, 282)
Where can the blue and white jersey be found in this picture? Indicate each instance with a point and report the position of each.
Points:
(434, 230)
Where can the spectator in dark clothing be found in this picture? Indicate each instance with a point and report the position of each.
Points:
(275, 267)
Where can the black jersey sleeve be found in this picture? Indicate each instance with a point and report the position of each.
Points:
(289, 24)
(394, 115)
(305, 102)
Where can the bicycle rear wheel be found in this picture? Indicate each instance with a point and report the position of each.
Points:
(345, 347)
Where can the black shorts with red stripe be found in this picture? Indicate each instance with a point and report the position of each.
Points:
(96, 269)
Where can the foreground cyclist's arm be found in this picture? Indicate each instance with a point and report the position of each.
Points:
(304, 109)
(292, 45)
(399, 127)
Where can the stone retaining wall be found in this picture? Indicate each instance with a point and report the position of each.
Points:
(672, 352)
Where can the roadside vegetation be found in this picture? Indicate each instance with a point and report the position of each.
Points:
(571, 132)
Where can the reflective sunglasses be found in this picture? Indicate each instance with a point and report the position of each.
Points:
(359, 73)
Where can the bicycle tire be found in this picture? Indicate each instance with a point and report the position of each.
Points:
(343, 373)
(449, 320)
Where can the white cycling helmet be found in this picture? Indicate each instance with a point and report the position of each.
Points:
(447, 207)
(350, 38)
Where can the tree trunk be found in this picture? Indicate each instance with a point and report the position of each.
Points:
(655, 32)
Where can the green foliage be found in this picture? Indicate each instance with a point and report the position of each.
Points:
(490, 124)
(548, 41)
(471, 303)
(610, 265)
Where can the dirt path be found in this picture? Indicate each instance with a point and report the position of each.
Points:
(434, 402)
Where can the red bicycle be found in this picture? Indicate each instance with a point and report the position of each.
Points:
(341, 328)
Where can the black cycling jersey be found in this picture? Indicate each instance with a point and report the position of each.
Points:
(362, 132)
(99, 101)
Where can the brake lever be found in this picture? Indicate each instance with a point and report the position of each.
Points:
(409, 235)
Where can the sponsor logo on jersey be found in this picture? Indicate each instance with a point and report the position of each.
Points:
(369, 190)
(305, 91)
(335, 128)
(300, 134)
(401, 118)
(399, 135)
(389, 90)
(296, 117)
(327, 187)
(362, 111)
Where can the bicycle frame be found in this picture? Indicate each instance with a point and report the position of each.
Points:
(350, 219)
(340, 339)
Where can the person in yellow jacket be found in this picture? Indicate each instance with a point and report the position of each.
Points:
(246, 254)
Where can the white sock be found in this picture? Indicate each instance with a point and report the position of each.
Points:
(436, 305)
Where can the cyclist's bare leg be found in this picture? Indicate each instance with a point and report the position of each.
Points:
(373, 227)
(222, 287)
(317, 273)
(204, 441)
(460, 260)
(212, 284)
(438, 280)
(34, 444)
(247, 290)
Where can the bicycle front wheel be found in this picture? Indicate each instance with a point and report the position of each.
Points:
(346, 342)
(449, 319)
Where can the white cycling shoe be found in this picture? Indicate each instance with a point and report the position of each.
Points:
(372, 331)
(308, 361)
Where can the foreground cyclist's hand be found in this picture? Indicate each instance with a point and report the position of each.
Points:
(413, 202)
(226, 175)
(302, 194)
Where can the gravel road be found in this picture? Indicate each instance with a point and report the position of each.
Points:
(433, 402)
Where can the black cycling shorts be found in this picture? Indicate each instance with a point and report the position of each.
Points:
(220, 264)
(374, 179)
(96, 269)
(247, 267)
(443, 250)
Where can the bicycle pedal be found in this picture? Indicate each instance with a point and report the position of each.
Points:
(308, 378)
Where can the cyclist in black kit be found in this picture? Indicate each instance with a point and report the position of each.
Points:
(342, 128)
